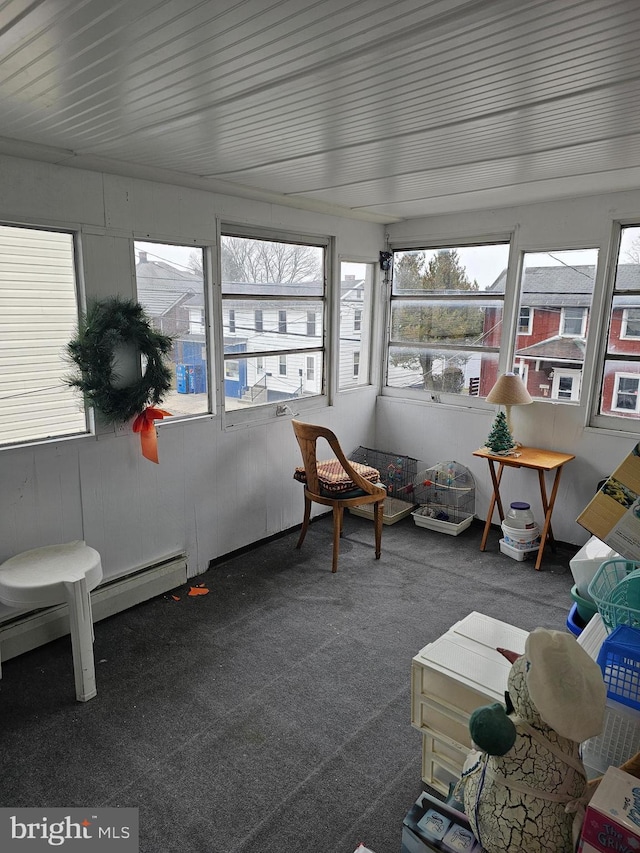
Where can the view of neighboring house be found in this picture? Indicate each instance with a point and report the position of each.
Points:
(553, 321)
(282, 329)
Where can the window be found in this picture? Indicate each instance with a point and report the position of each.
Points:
(38, 318)
(276, 286)
(232, 321)
(231, 370)
(625, 392)
(556, 291)
(566, 385)
(630, 324)
(356, 364)
(356, 301)
(573, 322)
(525, 321)
(311, 368)
(196, 321)
(620, 361)
(170, 286)
(446, 319)
(311, 324)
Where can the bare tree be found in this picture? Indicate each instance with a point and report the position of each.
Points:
(633, 252)
(262, 261)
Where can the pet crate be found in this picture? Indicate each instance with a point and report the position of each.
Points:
(397, 473)
(446, 494)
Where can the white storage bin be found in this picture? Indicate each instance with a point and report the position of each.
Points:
(517, 553)
(587, 562)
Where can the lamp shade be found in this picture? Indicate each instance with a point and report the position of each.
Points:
(509, 390)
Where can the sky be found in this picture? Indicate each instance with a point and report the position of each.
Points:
(483, 264)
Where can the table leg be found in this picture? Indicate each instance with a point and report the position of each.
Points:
(495, 499)
(81, 626)
(547, 531)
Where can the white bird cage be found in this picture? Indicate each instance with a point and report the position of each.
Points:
(446, 493)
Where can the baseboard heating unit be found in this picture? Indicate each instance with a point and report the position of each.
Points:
(25, 631)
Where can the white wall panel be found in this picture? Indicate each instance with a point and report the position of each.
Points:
(436, 432)
(214, 491)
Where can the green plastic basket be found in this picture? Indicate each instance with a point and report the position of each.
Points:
(615, 588)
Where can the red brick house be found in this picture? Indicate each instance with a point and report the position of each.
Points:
(553, 322)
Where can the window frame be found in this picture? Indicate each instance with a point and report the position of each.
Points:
(210, 334)
(616, 391)
(509, 299)
(233, 418)
(583, 322)
(624, 336)
(611, 421)
(521, 330)
(87, 412)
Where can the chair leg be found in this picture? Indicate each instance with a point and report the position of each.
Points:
(337, 531)
(305, 521)
(377, 514)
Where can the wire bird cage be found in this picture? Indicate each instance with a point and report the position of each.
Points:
(397, 475)
(446, 493)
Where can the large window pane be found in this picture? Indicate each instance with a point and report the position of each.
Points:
(355, 323)
(446, 318)
(170, 286)
(38, 318)
(556, 291)
(619, 396)
(274, 290)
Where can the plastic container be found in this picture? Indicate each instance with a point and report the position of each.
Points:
(514, 553)
(522, 538)
(587, 561)
(586, 607)
(619, 660)
(519, 515)
(575, 623)
(617, 601)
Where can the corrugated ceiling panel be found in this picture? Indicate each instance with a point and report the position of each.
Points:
(337, 100)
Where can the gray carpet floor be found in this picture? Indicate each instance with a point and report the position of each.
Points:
(271, 715)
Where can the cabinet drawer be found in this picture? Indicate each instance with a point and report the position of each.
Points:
(442, 761)
(439, 717)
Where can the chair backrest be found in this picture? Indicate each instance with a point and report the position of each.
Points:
(307, 436)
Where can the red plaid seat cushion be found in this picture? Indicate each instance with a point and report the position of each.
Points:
(333, 478)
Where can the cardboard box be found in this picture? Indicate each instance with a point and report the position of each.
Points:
(613, 515)
(431, 825)
(612, 819)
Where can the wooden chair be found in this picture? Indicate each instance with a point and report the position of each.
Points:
(355, 489)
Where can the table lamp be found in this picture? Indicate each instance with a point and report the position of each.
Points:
(509, 391)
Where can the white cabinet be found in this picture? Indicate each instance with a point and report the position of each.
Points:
(450, 678)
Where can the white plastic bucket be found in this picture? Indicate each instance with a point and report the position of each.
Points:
(523, 539)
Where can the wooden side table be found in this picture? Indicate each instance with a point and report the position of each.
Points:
(538, 460)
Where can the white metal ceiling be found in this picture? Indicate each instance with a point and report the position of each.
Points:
(390, 108)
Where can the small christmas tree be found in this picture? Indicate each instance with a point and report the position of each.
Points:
(500, 439)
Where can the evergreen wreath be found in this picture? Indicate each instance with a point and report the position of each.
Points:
(106, 325)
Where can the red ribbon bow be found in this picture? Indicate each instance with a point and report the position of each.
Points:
(144, 424)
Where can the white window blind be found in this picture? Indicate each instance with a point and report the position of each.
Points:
(38, 318)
